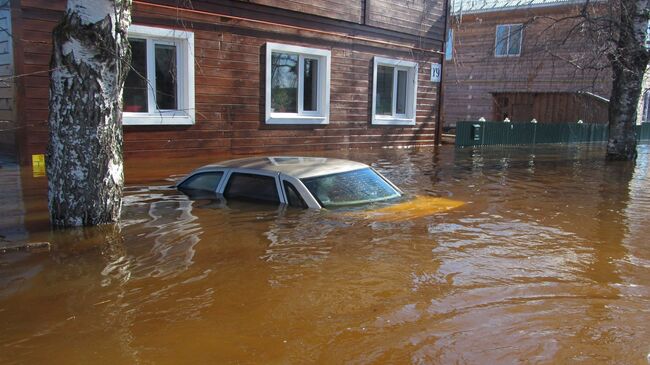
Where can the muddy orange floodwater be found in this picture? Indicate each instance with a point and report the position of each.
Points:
(546, 262)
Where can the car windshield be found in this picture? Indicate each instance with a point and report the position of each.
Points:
(349, 188)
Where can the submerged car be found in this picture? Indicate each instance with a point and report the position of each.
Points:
(304, 182)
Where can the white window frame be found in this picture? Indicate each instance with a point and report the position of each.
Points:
(645, 106)
(496, 40)
(322, 114)
(184, 42)
(407, 118)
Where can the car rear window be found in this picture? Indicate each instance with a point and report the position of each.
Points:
(205, 181)
(252, 187)
(349, 188)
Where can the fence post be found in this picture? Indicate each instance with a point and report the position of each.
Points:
(534, 122)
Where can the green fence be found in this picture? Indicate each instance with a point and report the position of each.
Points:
(500, 133)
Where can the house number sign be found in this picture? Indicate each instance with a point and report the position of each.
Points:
(436, 70)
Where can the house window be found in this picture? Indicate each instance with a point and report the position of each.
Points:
(508, 40)
(395, 92)
(159, 88)
(297, 84)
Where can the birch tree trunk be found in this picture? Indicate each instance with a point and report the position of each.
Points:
(89, 64)
(629, 63)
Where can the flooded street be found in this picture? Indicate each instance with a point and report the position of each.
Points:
(548, 262)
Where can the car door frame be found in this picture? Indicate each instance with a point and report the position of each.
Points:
(206, 171)
(306, 196)
(275, 175)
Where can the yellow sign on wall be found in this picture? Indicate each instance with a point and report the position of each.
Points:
(38, 165)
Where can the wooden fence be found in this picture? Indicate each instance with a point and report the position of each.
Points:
(475, 133)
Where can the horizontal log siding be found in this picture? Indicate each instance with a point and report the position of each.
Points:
(474, 72)
(424, 18)
(229, 89)
(551, 107)
(348, 10)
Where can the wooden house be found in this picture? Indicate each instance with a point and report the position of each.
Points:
(512, 59)
(250, 76)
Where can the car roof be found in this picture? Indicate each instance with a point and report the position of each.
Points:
(296, 166)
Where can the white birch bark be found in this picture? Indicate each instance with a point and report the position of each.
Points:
(90, 61)
(629, 63)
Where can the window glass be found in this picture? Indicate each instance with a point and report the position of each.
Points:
(514, 43)
(310, 88)
(284, 82)
(252, 187)
(135, 85)
(449, 45)
(508, 40)
(646, 107)
(207, 181)
(384, 104)
(293, 197)
(502, 40)
(348, 188)
(400, 108)
(165, 76)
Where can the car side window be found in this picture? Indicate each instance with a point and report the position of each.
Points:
(252, 187)
(293, 197)
(205, 181)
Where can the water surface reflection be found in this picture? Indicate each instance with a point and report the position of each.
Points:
(547, 262)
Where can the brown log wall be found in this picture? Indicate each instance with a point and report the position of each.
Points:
(229, 83)
(422, 18)
(425, 18)
(474, 73)
(549, 107)
(348, 10)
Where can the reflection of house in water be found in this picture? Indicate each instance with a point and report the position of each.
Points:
(12, 210)
(175, 235)
(173, 229)
(637, 211)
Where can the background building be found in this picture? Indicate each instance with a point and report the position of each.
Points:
(512, 59)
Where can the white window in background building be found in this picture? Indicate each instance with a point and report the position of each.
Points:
(645, 117)
(159, 88)
(297, 84)
(508, 40)
(394, 92)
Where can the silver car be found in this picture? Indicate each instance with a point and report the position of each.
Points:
(305, 182)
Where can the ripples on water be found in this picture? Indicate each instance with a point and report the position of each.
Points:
(548, 262)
